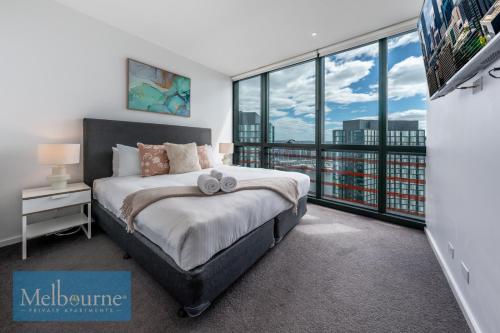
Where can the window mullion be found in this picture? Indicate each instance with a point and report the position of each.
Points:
(264, 93)
(320, 87)
(382, 116)
(236, 121)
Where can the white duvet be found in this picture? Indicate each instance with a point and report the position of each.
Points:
(192, 230)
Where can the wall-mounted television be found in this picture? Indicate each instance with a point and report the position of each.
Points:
(452, 34)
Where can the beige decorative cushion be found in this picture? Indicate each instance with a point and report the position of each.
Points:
(182, 158)
(154, 160)
(203, 157)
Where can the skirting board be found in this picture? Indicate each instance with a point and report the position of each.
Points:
(10, 240)
(462, 302)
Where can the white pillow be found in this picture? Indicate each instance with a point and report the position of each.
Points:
(115, 161)
(129, 163)
(214, 156)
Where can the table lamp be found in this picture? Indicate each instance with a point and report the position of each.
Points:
(227, 149)
(58, 156)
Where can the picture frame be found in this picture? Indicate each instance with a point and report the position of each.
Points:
(157, 90)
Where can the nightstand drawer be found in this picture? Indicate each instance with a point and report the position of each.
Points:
(55, 201)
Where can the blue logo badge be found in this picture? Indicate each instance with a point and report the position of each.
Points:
(71, 296)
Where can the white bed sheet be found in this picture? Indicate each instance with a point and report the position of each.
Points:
(191, 230)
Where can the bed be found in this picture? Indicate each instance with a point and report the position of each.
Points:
(195, 258)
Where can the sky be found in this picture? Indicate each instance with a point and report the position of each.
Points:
(351, 90)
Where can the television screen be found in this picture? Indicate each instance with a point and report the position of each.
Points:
(452, 32)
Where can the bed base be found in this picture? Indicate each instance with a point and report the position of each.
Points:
(196, 289)
(287, 220)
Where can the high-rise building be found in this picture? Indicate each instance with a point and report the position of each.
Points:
(249, 127)
(438, 22)
(353, 176)
(485, 5)
(446, 9)
(470, 10)
(432, 80)
(426, 47)
(467, 47)
(491, 21)
(446, 62)
(365, 132)
(405, 184)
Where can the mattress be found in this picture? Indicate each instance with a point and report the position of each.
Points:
(192, 230)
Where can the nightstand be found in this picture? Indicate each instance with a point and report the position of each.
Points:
(44, 199)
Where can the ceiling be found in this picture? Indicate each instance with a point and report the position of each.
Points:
(236, 36)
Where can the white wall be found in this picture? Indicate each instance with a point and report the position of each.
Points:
(463, 195)
(58, 66)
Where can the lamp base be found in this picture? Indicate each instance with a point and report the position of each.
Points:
(59, 178)
(227, 160)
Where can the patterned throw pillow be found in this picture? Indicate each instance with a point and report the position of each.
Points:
(182, 157)
(154, 160)
(203, 157)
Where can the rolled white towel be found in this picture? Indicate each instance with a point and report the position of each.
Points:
(208, 184)
(216, 174)
(228, 183)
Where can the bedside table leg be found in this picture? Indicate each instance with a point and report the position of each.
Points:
(89, 221)
(24, 237)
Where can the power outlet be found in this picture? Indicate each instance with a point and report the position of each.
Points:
(451, 250)
(465, 273)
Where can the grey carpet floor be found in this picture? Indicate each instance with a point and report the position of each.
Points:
(335, 272)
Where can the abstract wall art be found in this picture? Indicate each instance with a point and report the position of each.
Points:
(156, 90)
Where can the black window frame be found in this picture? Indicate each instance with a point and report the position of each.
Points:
(382, 149)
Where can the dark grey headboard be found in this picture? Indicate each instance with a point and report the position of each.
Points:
(100, 135)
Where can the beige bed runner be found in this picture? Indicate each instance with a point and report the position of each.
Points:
(134, 203)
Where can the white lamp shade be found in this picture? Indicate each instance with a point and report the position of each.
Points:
(226, 148)
(58, 154)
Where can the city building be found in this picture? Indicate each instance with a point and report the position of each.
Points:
(491, 21)
(352, 177)
(249, 127)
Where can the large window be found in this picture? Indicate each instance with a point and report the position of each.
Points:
(298, 160)
(351, 97)
(248, 156)
(292, 105)
(353, 121)
(249, 107)
(350, 177)
(406, 184)
(407, 92)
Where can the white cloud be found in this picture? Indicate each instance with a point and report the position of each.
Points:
(333, 125)
(414, 114)
(310, 116)
(282, 102)
(367, 118)
(249, 95)
(370, 50)
(293, 88)
(341, 75)
(293, 128)
(277, 114)
(359, 111)
(407, 79)
(403, 40)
